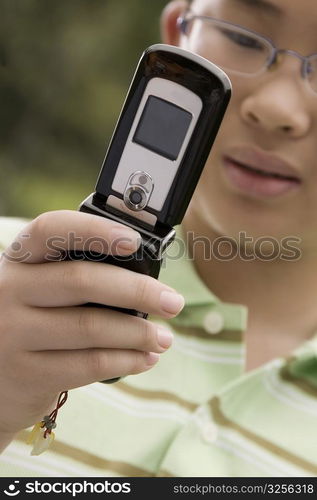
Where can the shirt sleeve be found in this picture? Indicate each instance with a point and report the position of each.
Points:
(9, 228)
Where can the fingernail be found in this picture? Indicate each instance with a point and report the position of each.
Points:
(151, 358)
(164, 337)
(124, 239)
(171, 303)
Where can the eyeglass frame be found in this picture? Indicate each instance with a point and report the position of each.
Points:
(184, 20)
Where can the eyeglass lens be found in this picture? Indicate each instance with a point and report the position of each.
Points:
(236, 49)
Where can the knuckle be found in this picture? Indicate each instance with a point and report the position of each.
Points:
(92, 223)
(147, 336)
(86, 322)
(74, 276)
(47, 222)
(137, 362)
(96, 363)
(40, 223)
(141, 291)
(67, 275)
(97, 232)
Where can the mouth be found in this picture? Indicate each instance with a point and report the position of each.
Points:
(260, 175)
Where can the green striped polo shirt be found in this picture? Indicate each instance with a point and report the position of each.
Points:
(196, 413)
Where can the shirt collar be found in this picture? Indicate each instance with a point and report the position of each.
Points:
(205, 315)
(300, 368)
(202, 308)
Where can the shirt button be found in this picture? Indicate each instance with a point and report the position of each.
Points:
(210, 432)
(213, 322)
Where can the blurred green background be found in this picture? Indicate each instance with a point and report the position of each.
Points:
(65, 67)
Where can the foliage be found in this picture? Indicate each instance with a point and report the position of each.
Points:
(65, 68)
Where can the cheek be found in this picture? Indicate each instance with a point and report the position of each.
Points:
(228, 213)
(242, 86)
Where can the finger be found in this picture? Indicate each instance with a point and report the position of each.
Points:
(51, 233)
(73, 328)
(60, 284)
(64, 370)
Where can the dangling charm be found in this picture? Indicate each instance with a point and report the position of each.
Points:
(41, 435)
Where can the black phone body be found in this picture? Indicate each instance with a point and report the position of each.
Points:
(168, 123)
(166, 128)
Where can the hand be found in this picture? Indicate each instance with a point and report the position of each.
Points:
(49, 342)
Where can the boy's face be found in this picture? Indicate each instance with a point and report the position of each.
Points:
(271, 124)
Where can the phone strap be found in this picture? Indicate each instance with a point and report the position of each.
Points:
(42, 434)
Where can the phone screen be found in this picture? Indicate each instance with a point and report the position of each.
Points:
(162, 127)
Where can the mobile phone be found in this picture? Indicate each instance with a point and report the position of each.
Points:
(168, 123)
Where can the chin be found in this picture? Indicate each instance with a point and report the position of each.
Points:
(228, 214)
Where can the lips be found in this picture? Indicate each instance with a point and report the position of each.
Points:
(259, 173)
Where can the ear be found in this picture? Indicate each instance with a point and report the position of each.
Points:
(170, 33)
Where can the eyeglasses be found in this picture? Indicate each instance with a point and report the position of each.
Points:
(243, 51)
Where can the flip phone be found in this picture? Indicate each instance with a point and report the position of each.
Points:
(168, 123)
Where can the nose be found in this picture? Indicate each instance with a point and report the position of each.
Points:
(278, 104)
